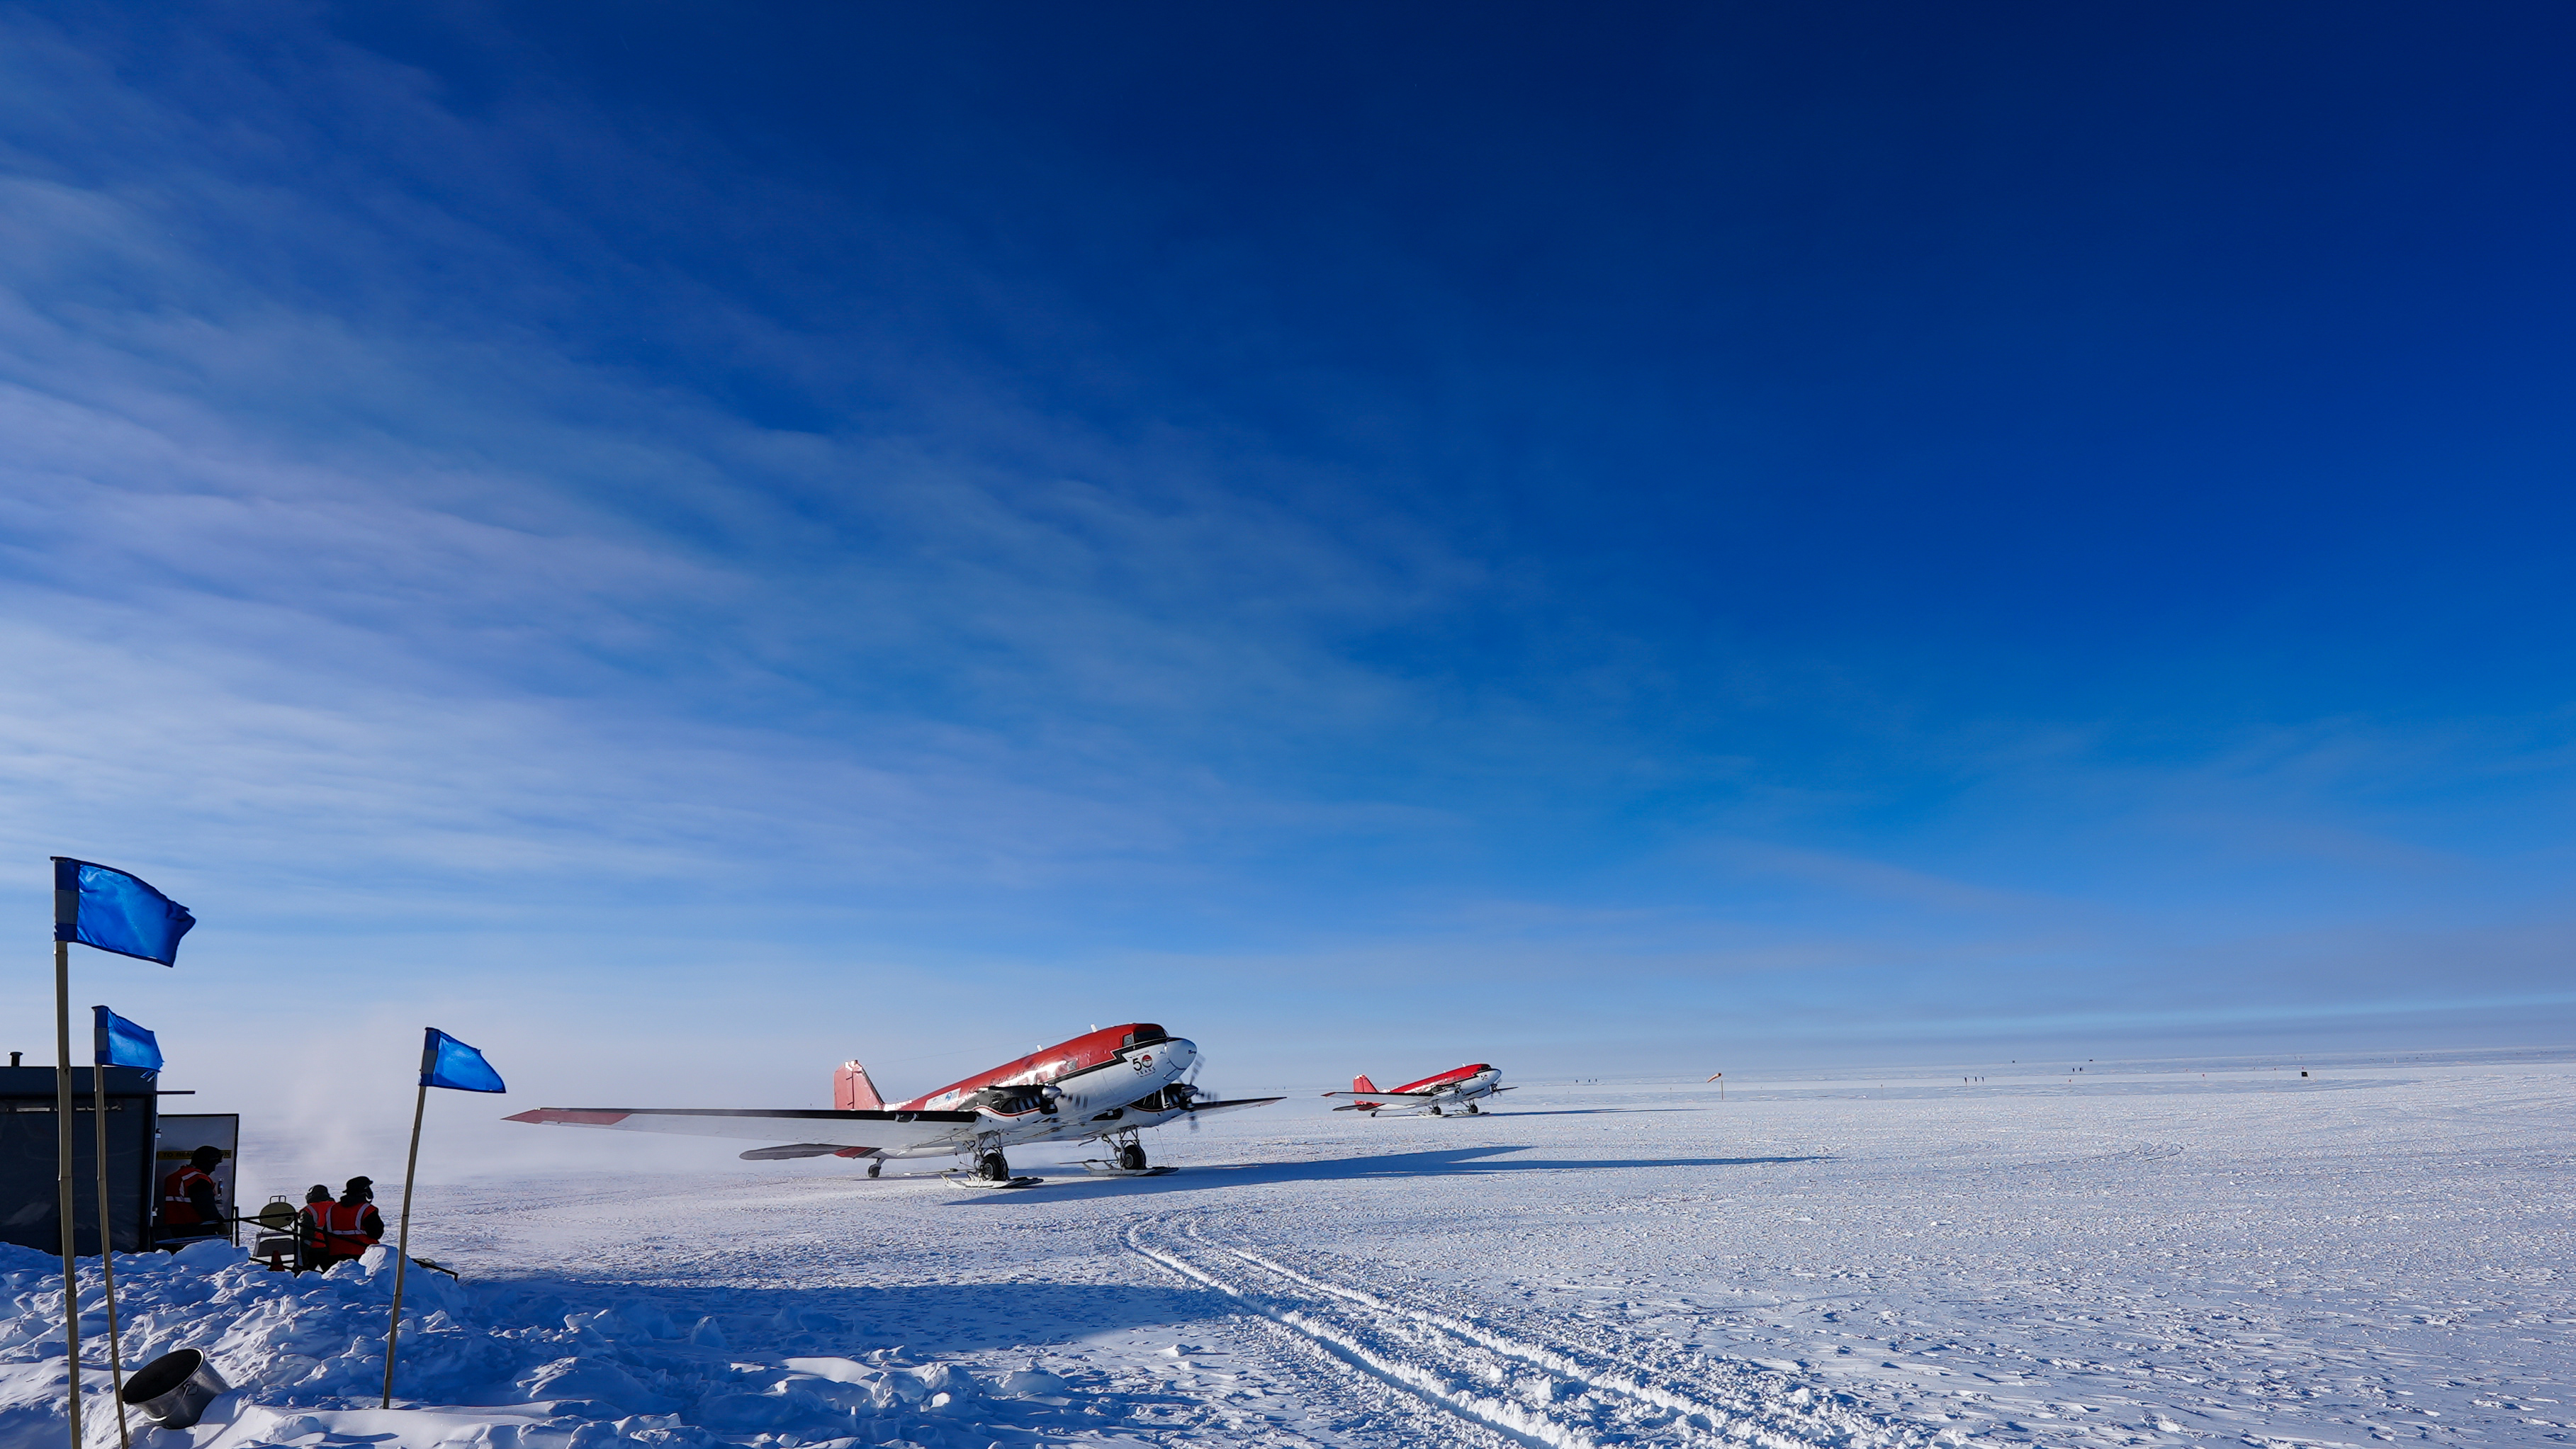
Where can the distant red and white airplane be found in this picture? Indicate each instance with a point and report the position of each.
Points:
(1454, 1087)
(1106, 1085)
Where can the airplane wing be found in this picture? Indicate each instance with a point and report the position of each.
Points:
(1203, 1108)
(809, 1127)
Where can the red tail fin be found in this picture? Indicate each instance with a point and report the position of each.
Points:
(852, 1091)
(1361, 1083)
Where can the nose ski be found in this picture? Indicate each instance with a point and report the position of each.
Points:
(1129, 1161)
(991, 1170)
(973, 1180)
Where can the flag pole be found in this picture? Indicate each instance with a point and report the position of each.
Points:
(107, 1257)
(402, 1238)
(63, 1161)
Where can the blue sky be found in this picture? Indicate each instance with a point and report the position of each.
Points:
(1632, 540)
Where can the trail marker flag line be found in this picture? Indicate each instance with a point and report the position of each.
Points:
(447, 1062)
(102, 907)
(119, 1043)
(444, 1062)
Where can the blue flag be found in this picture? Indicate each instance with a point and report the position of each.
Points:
(106, 908)
(447, 1062)
(123, 1044)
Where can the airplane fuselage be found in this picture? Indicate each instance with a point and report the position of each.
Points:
(1104, 1082)
(1437, 1094)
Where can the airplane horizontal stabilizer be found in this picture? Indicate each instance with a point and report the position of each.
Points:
(1382, 1095)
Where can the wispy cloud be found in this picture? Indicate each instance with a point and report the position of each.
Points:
(466, 516)
(424, 592)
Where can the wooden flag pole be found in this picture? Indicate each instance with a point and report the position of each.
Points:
(402, 1237)
(63, 1162)
(107, 1258)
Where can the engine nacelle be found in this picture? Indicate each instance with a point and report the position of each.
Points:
(1015, 1101)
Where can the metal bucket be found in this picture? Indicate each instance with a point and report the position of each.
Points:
(174, 1389)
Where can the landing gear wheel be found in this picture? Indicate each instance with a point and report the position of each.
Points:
(1436, 1112)
(875, 1167)
(1473, 1109)
(992, 1168)
(1132, 1157)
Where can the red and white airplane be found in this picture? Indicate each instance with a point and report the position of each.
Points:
(1454, 1087)
(1107, 1084)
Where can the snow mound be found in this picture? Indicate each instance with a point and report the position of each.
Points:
(517, 1365)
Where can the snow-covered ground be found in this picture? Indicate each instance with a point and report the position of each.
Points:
(2122, 1257)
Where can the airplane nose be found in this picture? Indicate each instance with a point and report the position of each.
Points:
(1179, 1053)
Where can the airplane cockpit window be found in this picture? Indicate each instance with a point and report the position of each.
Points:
(1144, 1034)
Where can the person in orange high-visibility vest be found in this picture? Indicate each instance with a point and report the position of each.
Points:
(308, 1229)
(189, 1210)
(343, 1231)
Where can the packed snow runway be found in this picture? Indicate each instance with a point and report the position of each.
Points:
(2146, 1257)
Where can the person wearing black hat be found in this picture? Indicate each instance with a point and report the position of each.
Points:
(189, 1210)
(349, 1227)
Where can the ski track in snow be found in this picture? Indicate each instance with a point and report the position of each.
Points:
(1532, 1392)
(2157, 1258)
